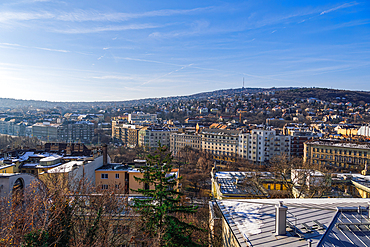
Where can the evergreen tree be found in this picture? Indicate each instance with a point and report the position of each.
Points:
(161, 207)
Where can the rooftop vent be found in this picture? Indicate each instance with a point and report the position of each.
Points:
(280, 219)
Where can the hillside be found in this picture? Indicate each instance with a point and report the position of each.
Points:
(287, 94)
(331, 95)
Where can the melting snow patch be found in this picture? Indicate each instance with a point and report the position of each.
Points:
(246, 216)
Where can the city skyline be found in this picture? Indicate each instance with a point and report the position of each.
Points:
(95, 51)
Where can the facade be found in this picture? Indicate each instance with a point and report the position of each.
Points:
(12, 127)
(45, 131)
(265, 144)
(121, 178)
(150, 136)
(76, 131)
(142, 118)
(126, 133)
(338, 154)
(243, 149)
(220, 142)
(298, 138)
(364, 130)
(181, 140)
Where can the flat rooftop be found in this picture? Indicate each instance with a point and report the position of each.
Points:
(340, 144)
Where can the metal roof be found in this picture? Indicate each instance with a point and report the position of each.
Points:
(307, 220)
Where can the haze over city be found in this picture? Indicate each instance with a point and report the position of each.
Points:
(121, 50)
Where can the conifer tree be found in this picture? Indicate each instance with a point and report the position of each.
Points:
(161, 207)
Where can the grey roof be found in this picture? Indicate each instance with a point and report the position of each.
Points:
(220, 131)
(309, 219)
(340, 144)
(350, 227)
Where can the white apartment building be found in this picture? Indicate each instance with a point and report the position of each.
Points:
(243, 145)
(141, 118)
(264, 144)
(150, 136)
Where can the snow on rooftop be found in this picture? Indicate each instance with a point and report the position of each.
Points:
(246, 216)
(333, 143)
(51, 158)
(25, 156)
(67, 167)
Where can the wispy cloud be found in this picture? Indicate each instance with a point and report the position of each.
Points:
(82, 15)
(113, 77)
(345, 5)
(93, 15)
(48, 49)
(24, 16)
(167, 74)
(148, 61)
(32, 47)
(109, 28)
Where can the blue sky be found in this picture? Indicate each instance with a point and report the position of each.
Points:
(120, 50)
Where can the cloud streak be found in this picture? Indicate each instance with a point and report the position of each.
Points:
(343, 6)
(109, 28)
(92, 15)
(33, 47)
(167, 74)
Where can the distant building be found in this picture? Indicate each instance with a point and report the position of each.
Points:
(45, 131)
(181, 140)
(150, 136)
(364, 130)
(126, 133)
(265, 144)
(76, 131)
(220, 142)
(338, 154)
(142, 118)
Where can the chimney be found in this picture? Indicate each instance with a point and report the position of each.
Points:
(105, 155)
(280, 219)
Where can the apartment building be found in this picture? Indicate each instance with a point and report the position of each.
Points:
(181, 140)
(337, 153)
(150, 136)
(142, 118)
(126, 133)
(220, 141)
(45, 131)
(265, 144)
(298, 138)
(76, 131)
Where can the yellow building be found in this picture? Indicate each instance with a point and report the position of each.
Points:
(5, 168)
(338, 154)
(120, 177)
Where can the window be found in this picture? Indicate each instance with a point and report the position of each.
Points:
(117, 175)
(104, 186)
(104, 176)
(117, 186)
